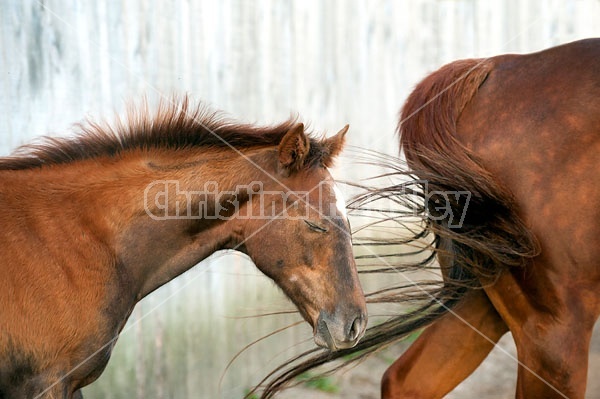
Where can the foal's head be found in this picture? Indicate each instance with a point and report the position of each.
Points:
(298, 235)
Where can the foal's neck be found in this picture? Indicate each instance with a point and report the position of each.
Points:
(111, 200)
(154, 246)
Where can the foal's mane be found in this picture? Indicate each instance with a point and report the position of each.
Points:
(175, 125)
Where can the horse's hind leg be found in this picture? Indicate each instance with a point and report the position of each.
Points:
(553, 357)
(552, 340)
(447, 352)
(555, 364)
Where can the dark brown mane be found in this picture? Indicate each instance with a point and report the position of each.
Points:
(175, 125)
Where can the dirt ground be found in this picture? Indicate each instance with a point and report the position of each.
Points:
(494, 379)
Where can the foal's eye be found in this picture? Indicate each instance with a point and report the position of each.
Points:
(315, 227)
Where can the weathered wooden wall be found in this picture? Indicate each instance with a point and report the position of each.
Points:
(333, 61)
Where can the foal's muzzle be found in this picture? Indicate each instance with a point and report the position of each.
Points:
(339, 331)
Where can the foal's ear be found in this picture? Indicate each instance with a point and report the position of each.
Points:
(334, 146)
(293, 148)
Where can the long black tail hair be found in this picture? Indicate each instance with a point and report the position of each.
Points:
(470, 218)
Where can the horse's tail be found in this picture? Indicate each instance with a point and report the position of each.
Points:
(470, 215)
(479, 214)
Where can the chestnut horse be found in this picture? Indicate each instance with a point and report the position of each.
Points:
(521, 135)
(94, 223)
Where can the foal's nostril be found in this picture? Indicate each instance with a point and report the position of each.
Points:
(335, 333)
(356, 329)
